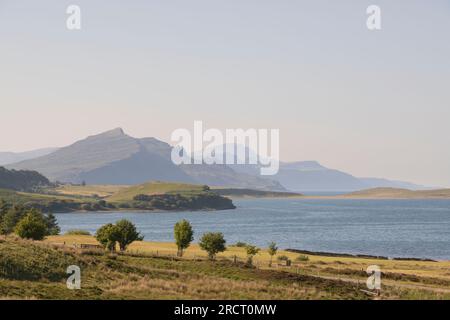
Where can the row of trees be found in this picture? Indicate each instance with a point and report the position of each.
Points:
(213, 242)
(124, 233)
(26, 222)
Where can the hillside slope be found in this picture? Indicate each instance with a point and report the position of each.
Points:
(21, 180)
(113, 157)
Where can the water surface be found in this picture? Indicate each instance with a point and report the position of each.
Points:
(394, 228)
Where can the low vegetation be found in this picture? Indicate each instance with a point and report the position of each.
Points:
(148, 270)
(77, 232)
(150, 196)
(22, 180)
(26, 223)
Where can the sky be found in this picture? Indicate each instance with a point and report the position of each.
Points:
(371, 103)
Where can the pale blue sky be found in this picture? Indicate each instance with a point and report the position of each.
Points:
(369, 103)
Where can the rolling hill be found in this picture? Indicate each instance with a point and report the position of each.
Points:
(21, 180)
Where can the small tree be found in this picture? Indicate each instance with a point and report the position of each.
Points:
(107, 236)
(272, 250)
(52, 225)
(32, 226)
(11, 218)
(212, 243)
(126, 233)
(251, 252)
(184, 235)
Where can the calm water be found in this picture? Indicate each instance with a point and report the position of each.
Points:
(394, 228)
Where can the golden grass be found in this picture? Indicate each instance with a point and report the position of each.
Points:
(90, 190)
(154, 187)
(315, 264)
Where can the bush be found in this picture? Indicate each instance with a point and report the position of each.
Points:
(77, 232)
(302, 258)
(282, 258)
(240, 244)
(212, 243)
(32, 226)
(251, 252)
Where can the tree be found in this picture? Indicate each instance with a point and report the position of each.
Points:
(52, 225)
(107, 236)
(184, 235)
(126, 234)
(212, 243)
(251, 252)
(11, 218)
(272, 250)
(32, 226)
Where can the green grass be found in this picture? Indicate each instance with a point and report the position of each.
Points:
(155, 187)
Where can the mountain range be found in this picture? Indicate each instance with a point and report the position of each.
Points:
(13, 157)
(114, 157)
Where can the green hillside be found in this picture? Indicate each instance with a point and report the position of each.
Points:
(23, 180)
(156, 188)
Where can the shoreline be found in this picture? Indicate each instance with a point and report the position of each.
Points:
(362, 256)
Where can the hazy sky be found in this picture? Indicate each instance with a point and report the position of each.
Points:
(369, 103)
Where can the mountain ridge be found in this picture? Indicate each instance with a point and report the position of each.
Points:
(113, 157)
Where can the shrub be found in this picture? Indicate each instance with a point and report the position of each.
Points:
(240, 244)
(302, 258)
(251, 252)
(282, 258)
(212, 243)
(78, 232)
(32, 226)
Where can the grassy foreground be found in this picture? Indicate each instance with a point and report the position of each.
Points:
(36, 270)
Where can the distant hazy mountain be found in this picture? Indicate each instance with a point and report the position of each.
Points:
(113, 157)
(310, 176)
(13, 157)
(385, 183)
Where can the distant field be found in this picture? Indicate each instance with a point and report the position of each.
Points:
(152, 188)
(394, 193)
(23, 197)
(90, 190)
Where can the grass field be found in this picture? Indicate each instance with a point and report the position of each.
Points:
(154, 187)
(401, 278)
(90, 190)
